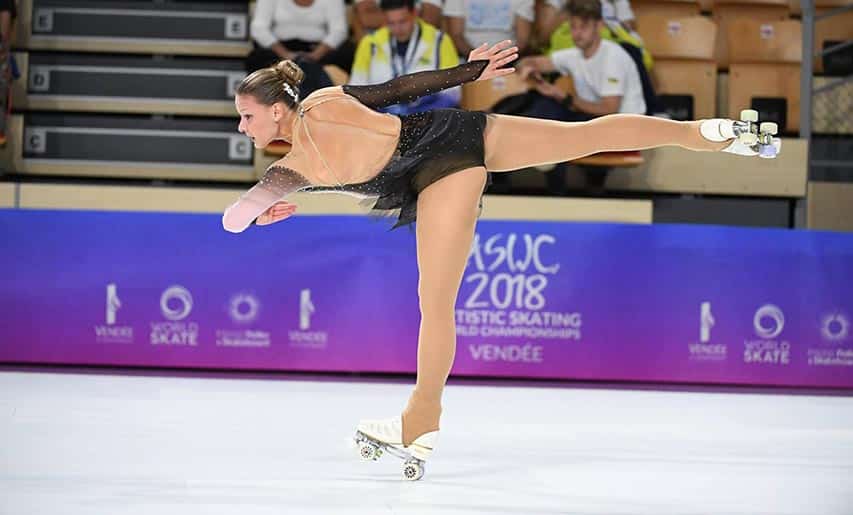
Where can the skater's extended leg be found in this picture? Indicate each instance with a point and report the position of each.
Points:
(514, 142)
(447, 215)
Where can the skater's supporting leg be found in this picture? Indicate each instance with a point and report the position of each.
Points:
(447, 215)
(514, 142)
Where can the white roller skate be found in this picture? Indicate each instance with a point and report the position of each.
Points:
(375, 437)
(749, 137)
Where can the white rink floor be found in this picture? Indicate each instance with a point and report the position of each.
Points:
(112, 444)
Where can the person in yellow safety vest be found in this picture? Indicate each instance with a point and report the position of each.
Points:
(405, 45)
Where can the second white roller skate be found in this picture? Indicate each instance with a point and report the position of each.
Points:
(378, 437)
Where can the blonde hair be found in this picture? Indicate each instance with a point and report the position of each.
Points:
(277, 83)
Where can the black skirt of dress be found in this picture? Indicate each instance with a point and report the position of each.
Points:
(432, 145)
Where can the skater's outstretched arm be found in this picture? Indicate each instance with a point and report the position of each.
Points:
(483, 64)
(263, 199)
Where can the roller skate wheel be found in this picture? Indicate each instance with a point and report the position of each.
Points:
(768, 128)
(412, 471)
(768, 151)
(749, 139)
(749, 115)
(367, 451)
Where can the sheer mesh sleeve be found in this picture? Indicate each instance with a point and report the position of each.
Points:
(277, 182)
(415, 85)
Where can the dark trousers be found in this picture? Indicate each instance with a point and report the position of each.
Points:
(315, 76)
(547, 108)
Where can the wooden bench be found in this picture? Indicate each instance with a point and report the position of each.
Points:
(612, 159)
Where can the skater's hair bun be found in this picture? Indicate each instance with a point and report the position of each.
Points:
(277, 83)
(290, 72)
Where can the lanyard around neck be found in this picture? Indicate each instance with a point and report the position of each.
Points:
(414, 40)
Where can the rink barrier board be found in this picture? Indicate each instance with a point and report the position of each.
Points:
(547, 300)
(207, 200)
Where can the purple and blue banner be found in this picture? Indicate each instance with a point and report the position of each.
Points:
(659, 303)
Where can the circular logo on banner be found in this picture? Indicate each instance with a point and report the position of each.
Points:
(182, 295)
(769, 321)
(244, 308)
(835, 327)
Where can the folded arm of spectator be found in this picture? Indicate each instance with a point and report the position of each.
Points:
(534, 66)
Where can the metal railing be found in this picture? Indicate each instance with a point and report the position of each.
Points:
(826, 107)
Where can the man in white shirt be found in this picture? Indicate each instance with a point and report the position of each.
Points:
(605, 77)
(473, 22)
(606, 81)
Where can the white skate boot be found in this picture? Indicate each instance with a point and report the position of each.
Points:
(374, 437)
(749, 137)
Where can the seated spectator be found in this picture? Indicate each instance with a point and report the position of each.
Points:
(406, 44)
(619, 26)
(311, 32)
(606, 80)
(369, 15)
(473, 22)
(605, 77)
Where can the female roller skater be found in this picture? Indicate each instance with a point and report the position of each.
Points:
(434, 167)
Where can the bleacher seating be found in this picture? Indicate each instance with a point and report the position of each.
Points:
(130, 146)
(834, 30)
(666, 8)
(483, 95)
(727, 11)
(685, 72)
(200, 86)
(145, 26)
(765, 69)
(141, 89)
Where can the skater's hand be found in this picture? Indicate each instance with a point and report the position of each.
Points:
(497, 55)
(276, 213)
